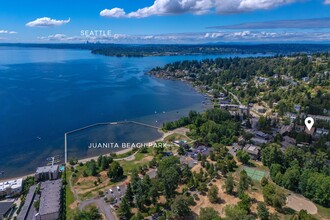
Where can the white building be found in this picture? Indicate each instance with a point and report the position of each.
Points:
(11, 188)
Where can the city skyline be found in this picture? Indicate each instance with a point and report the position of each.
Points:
(166, 21)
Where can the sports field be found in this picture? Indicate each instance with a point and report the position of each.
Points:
(255, 174)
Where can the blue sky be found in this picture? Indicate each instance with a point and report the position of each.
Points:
(165, 21)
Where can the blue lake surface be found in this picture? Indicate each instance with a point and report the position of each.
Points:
(47, 92)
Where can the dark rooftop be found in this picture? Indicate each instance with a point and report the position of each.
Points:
(50, 199)
(4, 207)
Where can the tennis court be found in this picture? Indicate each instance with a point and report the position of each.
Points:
(255, 174)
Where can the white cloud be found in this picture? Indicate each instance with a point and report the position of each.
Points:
(47, 22)
(198, 7)
(164, 7)
(198, 37)
(58, 37)
(238, 6)
(327, 2)
(7, 32)
(115, 13)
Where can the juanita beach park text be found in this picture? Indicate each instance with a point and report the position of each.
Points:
(125, 145)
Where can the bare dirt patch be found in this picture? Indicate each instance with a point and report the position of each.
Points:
(297, 203)
(225, 200)
(197, 168)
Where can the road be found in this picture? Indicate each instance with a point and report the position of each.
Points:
(233, 95)
(103, 207)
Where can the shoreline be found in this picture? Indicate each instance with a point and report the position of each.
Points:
(84, 160)
(123, 151)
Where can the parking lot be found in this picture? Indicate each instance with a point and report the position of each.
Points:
(116, 192)
(203, 150)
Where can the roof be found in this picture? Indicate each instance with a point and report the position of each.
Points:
(47, 169)
(286, 128)
(27, 204)
(251, 149)
(12, 184)
(50, 199)
(257, 140)
(4, 207)
(262, 134)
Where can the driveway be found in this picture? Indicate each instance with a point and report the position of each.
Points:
(101, 205)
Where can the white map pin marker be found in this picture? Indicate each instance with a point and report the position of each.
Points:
(309, 122)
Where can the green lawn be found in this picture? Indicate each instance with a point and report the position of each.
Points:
(323, 212)
(69, 197)
(128, 166)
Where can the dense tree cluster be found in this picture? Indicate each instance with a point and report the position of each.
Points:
(212, 126)
(299, 170)
(279, 76)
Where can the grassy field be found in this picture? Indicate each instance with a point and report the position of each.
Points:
(139, 160)
(323, 212)
(69, 197)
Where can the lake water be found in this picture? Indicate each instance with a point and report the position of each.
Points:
(47, 92)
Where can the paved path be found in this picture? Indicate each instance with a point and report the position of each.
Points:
(233, 95)
(101, 205)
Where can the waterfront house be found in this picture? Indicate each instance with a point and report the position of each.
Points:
(47, 173)
(11, 188)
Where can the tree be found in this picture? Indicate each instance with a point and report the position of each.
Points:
(274, 196)
(274, 216)
(208, 214)
(229, 184)
(180, 207)
(153, 192)
(234, 212)
(243, 156)
(244, 182)
(272, 154)
(115, 172)
(169, 175)
(291, 177)
(245, 202)
(181, 151)
(264, 181)
(302, 215)
(262, 211)
(105, 162)
(88, 213)
(91, 168)
(124, 211)
(274, 170)
(129, 194)
(134, 179)
(141, 194)
(213, 194)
